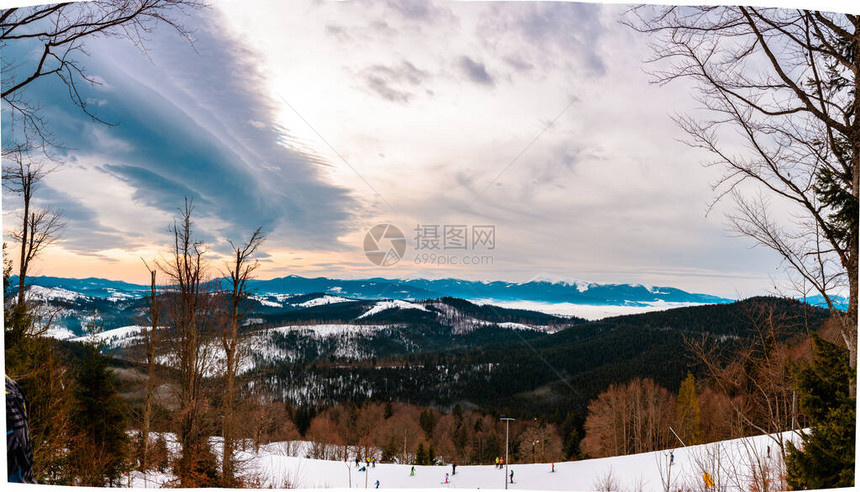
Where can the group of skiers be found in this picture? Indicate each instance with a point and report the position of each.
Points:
(368, 463)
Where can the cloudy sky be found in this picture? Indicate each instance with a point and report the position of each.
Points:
(319, 120)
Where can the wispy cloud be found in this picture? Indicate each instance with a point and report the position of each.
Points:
(198, 124)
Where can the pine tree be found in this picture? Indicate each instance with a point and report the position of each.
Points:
(826, 456)
(100, 446)
(421, 455)
(687, 411)
(570, 436)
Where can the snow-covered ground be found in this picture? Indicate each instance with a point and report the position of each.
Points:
(60, 333)
(320, 301)
(117, 337)
(39, 293)
(587, 311)
(729, 464)
(329, 330)
(395, 303)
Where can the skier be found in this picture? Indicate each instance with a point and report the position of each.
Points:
(453, 468)
(501, 463)
(373, 460)
(357, 461)
(377, 484)
(512, 476)
(446, 478)
(497, 461)
(412, 473)
(671, 458)
(362, 469)
(553, 468)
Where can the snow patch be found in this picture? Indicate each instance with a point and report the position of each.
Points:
(331, 330)
(266, 302)
(321, 301)
(60, 333)
(39, 293)
(393, 304)
(117, 337)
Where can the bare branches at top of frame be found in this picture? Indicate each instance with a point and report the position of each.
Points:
(60, 32)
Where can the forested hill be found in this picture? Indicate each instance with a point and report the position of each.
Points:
(554, 372)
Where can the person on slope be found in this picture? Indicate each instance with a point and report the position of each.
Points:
(446, 478)
(377, 484)
(512, 476)
(412, 473)
(497, 461)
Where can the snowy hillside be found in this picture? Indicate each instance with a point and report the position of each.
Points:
(40, 293)
(393, 304)
(730, 464)
(321, 301)
(117, 337)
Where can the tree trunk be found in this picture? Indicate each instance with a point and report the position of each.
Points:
(25, 231)
(150, 377)
(227, 469)
(850, 325)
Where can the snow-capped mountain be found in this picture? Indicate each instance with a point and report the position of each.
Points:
(541, 288)
(92, 287)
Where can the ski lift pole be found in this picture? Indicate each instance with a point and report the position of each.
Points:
(507, 421)
(676, 435)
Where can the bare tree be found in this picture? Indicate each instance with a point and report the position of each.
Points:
(189, 311)
(61, 30)
(785, 83)
(606, 482)
(239, 271)
(40, 227)
(630, 418)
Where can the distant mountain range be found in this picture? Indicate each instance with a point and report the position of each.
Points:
(540, 289)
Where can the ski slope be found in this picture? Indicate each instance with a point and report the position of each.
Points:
(729, 463)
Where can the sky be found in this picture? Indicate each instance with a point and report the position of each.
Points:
(319, 120)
